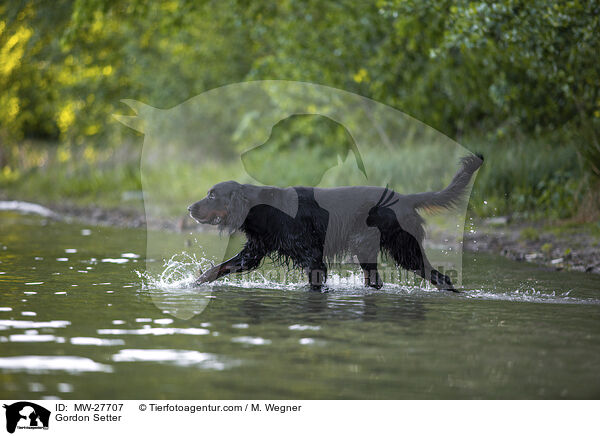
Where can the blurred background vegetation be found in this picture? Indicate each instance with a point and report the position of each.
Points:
(515, 80)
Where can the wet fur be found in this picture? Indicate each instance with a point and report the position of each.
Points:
(308, 228)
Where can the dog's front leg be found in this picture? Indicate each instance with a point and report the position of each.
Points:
(245, 260)
(234, 264)
(213, 273)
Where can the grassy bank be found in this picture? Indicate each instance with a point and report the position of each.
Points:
(532, 179)
(51, 173)
(526, 178)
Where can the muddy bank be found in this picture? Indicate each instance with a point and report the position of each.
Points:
(557, 246)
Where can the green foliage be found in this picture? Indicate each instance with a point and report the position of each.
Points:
(453, 64)
(530, 234)
(546, 248)
(529, 177)
(463, 67)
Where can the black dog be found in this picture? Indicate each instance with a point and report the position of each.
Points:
(312, 226)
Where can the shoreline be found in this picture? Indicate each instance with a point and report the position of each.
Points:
(558, 246)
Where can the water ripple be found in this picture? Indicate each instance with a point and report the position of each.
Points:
(41, 364)
(175, 357)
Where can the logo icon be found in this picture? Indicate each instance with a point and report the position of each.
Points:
(26, 415)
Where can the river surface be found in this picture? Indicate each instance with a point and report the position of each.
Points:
(80, 319)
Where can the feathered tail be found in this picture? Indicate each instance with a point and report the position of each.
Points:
(453, 193)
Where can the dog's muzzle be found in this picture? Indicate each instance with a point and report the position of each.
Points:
(213, 220)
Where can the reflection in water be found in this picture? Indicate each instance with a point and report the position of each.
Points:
(260, 306)
(315, 303)
(182, 303)
(403, 311)
(255, 309)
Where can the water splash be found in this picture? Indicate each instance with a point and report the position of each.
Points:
(528, 294)
(179, 272)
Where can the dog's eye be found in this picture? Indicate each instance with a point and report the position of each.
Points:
(211, 195)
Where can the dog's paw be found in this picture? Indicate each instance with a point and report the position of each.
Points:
(317, 288)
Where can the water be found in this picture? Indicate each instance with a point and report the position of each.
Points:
(76, 321)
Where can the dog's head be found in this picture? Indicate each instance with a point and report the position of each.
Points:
(225, 205)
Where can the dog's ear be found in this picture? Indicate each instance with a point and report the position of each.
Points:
(237, 210)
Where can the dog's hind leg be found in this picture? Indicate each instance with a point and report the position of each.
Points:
(441, 281)
(317, 275)
(372, 278)
(410, 256)
(368, 263)
(366, 244)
